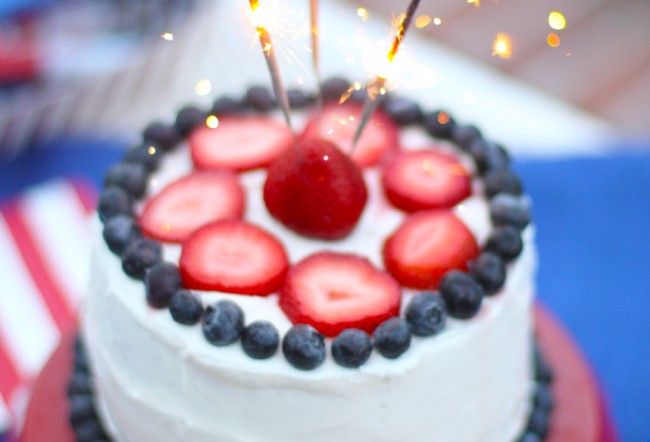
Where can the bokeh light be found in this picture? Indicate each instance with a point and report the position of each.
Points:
(203, 87)
(553, 40)
(556, 20)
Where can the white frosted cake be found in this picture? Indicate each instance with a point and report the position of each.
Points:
(384, 294)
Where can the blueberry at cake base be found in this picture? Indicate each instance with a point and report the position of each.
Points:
(579, 411)
(249, 285)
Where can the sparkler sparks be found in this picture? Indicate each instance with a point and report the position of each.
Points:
(271, 62)
(422, 21)
(379, 83)
(502, 46)
(363, 14)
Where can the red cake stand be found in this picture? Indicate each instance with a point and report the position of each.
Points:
(580, 412)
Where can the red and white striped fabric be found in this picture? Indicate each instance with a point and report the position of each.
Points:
(44, 256)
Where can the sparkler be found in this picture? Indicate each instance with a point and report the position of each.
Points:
(375, 90)
(315, 47)
(271, 62)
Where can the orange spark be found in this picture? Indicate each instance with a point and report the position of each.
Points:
(553, 40)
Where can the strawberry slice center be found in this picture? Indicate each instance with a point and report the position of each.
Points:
(239, 143)
(334, 291)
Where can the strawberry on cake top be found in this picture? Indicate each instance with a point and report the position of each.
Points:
(284, 276)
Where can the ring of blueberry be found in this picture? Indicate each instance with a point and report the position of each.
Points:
(222, 323)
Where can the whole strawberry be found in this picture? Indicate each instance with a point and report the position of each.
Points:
(316, 190)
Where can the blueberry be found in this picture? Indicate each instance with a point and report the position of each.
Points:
(488, 156)
(334, 87)
(112, 202)
(188, 118)
(185, 307)
(82, 407)
(351, 348)
(78, 346)
(162, 280)
(464, 135)
(90, 431)
(118, 232)
(139, 255)
(543, 398)
(462, 294)
(81, 363)
(426, 314)
(538, 422)
(225, 106)
(543, 371)
(147, 155)
(392, 338)
(439, 124)
(490, 271)
(529, 437)
(304, 347)
(506, 242)
(131, 177)
(501, 181)
(162, 135)
(510, 210)
(260, 98)
(298, 99)
(79, 384)
(403, 111)
(260, 340)
(222, 323)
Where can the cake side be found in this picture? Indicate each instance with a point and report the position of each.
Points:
(155, 379)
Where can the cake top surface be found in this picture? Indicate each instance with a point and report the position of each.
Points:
(308, 244)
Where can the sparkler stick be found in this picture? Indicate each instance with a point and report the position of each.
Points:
(271, 62)
(315, 46)
(375, 88)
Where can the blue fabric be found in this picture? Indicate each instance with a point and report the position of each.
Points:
(9, 7)
(593, 218)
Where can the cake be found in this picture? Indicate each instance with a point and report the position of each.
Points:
(250, 286)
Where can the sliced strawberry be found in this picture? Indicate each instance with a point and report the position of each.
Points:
(334, 291)
(234, 257)
(337, 123)
(239, 143)
(316, 190)
(190, 202)
(426, 246)
(426, 179)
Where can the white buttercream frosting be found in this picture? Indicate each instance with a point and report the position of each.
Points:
(158, 380)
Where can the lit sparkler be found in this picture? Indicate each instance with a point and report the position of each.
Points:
(376, 89)
(315, 47)
(269, 55)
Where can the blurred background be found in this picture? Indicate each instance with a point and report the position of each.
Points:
(564, 83)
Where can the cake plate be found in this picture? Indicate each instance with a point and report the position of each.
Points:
(580, 412)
